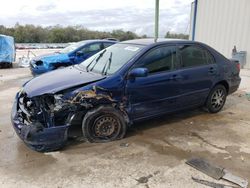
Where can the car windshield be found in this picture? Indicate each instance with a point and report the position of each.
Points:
(72, 47)
(111, 59)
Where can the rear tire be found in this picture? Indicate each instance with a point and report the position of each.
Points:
(216, 99)
(103, 124)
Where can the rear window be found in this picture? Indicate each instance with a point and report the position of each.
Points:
(193, 55)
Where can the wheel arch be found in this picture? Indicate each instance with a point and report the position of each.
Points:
(116, 107)
(224, 83)
(104, 108)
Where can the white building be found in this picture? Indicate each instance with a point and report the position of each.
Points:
(222, 24)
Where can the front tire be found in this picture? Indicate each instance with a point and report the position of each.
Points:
(10, 65)
(103, 124)
(216, 99)
(60, 67)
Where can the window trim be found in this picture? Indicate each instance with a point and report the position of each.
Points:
(178, 65)
(212, 57)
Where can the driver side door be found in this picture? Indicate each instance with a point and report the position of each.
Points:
(158, 92)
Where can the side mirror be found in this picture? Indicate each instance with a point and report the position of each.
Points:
(79, 53)
(138, 72)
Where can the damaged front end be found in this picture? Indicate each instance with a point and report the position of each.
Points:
(42, 122)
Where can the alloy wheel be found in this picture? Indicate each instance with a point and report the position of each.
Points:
(218, 99)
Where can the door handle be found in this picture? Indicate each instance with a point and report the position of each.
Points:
(212, 70)
(176, 77)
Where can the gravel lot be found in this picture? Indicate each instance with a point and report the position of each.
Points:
(154, 154)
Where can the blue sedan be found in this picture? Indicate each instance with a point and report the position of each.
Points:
(71, 55)
(127, 82)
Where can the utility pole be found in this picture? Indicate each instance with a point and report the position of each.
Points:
(156, 19)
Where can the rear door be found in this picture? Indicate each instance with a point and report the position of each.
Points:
(199, 72)
(158, 92)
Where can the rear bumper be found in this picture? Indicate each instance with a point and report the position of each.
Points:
(36, 136)
(234, 85)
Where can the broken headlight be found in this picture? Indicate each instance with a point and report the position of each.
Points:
(59, 102)
(39, 63)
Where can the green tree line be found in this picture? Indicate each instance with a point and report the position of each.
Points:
(176, 36)
(58, 34)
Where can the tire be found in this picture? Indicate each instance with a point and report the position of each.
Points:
(216, 99)
(10, 65)
(103, 124)
(60, 67)
(6, 65)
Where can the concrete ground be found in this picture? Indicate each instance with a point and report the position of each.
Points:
(153, 154)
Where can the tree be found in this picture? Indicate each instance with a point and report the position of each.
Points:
(59, 34)
(176, 36)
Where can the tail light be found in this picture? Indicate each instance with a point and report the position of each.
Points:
(238, 66)
(235, 63)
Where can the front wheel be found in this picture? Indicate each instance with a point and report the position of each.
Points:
(103, 124)
(216, 99)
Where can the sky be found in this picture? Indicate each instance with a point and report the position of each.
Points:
(101, 15)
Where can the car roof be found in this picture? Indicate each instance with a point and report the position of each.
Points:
(150, 41)
(98, 40)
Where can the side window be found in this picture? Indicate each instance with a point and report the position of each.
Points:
(159, 59)
(107, 44)
(92, 48)
(193, 56)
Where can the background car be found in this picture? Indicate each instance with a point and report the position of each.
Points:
(7, 51)
(127, 82)
(71, 55)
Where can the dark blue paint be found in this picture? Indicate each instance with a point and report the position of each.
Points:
(139, 97)
(55, 60)
(45, 140)
(58, 80)
(138, 72)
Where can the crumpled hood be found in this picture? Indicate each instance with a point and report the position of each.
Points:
(53, 58)
(58, 80)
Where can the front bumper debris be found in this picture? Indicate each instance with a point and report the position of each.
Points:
(35, 135)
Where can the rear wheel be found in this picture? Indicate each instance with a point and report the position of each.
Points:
(103, 124)
(216, 99)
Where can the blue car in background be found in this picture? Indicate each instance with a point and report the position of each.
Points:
(128, 82)
(71, 55)
(7, 51)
